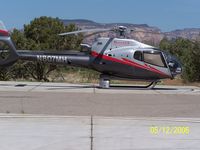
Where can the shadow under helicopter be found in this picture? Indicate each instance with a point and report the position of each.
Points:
(112, 87)
(137, 87)
(115, 87)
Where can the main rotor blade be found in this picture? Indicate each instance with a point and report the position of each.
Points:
(88, 35)
(142, 31)
(85, 30)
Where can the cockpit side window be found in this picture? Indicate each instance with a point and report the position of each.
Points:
(138, 55)
(154, 59)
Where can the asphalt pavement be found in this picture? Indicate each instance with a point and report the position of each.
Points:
(59, 116)
(86, 100)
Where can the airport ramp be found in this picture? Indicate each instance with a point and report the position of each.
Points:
(38, 132)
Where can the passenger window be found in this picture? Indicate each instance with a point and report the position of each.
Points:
(154, 59)
(138, 55)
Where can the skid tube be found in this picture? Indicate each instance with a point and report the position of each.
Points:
(104, 83)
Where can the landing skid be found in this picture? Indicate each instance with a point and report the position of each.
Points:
(104, 83)
(152, 84)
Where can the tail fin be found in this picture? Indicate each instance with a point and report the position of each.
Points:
(8, 53)
(3, 30)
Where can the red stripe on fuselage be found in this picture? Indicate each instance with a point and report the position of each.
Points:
(4, 33)
(128, 62)
(150, 68)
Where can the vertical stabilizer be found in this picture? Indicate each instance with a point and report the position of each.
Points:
(8, 53)
(3, 30)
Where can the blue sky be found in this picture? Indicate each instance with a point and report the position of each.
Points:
(165, 14)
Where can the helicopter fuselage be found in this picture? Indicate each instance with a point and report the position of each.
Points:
(127, 58)
(115, 58)
(112, 57)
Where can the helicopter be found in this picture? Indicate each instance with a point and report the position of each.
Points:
(115, 58)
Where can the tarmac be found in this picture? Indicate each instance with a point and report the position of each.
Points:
(22, 132)
(88, 100)
(60, 116)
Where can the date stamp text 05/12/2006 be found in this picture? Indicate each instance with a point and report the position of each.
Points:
(169, 130)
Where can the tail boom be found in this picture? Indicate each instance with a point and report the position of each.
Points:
(76, 59)
(67, 58)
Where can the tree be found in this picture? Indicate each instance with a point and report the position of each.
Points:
(44, 31)
(191, 61)
(189, 53)
(42, 34)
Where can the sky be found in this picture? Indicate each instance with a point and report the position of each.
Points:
(166, 14)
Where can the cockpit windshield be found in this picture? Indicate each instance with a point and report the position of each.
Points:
(150, 57)
(159, 58)
(173, 63)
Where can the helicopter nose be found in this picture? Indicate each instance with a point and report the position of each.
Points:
(175, 67)
(173, 63)
(178, 70)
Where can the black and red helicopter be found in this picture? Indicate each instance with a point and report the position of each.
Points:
(114, 58)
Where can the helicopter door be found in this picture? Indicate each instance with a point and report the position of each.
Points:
(153, 61)
(138, 55)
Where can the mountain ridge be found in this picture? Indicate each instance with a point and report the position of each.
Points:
(146, 36)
